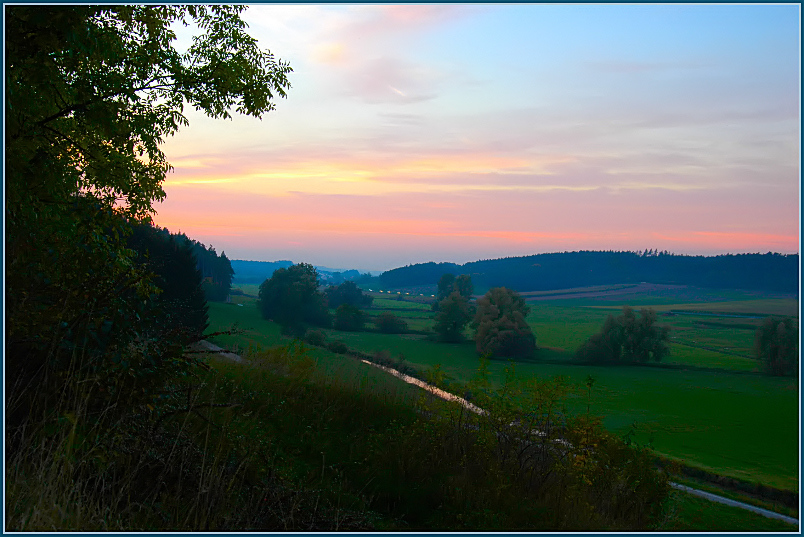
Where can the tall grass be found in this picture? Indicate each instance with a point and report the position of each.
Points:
(274, 444)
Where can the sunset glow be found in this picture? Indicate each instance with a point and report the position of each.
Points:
(456, 133)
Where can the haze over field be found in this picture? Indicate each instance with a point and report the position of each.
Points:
(452, 132)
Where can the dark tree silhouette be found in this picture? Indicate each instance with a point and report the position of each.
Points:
(776, 345)
(500, 326)
(347, 293)
(291, 297)
(454, 313)
(627, 339)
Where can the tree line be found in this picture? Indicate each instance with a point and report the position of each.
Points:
(770, 272)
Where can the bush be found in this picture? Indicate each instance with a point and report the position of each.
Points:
(348, 317)
(388, 323)
(316, 338)
(776, 346)
(338, 347)
(626, 339)
(296, 331)
(347, 293)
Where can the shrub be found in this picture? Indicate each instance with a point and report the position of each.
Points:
(338, 347)
(776, 345)
(388, 323)
(626, 339)
(315, 337)
(295, 330)
(347, 293)
(348, 317)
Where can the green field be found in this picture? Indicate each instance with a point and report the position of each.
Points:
(693, 514)
(743, 426)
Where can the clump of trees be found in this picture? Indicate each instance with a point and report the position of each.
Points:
(347, 293)
(776, 345)
(291, 298)
(627, 338)
(452, 306)
(500, 326)
(347, 299)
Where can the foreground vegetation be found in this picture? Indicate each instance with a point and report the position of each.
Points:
(278, 444)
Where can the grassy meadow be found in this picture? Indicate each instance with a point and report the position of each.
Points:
(706, 412)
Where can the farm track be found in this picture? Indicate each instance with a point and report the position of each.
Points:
(212, 348)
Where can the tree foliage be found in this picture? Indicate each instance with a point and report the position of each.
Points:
(449, 283)
(91, 93)
(216, 271)
(347, 293)
(446, 285)
(348, 317)
(454, 313)
(388, 323)
(776, 345)
(452, 306)
(627, 339)
(500, 326)
(291, 298)
(180, 299)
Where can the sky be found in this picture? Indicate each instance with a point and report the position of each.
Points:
(451, 132)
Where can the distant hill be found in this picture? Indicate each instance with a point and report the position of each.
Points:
(259, 271)
(769, 272)
(255, 271)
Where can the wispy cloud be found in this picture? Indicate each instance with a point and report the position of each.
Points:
(449, 130)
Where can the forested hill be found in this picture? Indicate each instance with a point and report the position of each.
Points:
(259, 271)
(256, 271)
(761, 272)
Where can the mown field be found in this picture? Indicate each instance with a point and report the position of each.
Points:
(728, 419)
